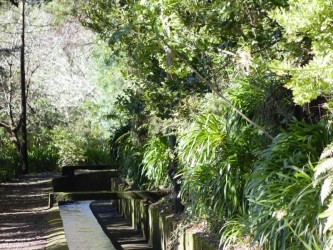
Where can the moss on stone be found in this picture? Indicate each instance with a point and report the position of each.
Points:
(56, 239)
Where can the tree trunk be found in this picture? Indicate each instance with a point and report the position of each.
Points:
(172, 140)
(172, 173)
(24, 147)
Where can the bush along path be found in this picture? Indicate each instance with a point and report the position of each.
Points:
(24, 212)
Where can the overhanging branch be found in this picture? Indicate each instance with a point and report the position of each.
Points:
(224, 99)
(4, 125)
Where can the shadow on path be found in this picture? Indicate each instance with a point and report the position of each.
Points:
(119, 230)
(24, 210)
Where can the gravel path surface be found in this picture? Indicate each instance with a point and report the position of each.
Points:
(23, 211)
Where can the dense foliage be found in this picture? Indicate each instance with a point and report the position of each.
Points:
(245, 87)
(226, 103)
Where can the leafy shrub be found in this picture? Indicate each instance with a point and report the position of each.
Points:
(96, 152)
(283, 203)
(9, 160)
(130, 156)
(6, 173)
(80, 147)
(216, 165)
(43, 158)
(156, 159)
(70, 146)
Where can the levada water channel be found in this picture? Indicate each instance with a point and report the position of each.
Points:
(82, 229)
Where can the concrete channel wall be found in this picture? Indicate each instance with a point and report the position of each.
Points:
(157, 228)
(94, 181)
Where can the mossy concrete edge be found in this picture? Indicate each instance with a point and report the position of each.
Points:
(56, 239)
(159, 229)
(56, 197)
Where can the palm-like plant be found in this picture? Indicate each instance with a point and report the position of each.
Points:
(324, 174)
(156, 159)
(283, 201)
(216, 164)
(130, 157)
(324, 171)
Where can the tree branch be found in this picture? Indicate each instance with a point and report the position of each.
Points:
(224, 99)
(14, 2)
(4, 125)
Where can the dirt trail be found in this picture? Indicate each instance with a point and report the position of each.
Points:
(23, 212)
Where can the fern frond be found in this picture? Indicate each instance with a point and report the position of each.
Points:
(328, 214)
(327, 152)
(328, 243)
(323, 167)
(326, 189)
(329, 224)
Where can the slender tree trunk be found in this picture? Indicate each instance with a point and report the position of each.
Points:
(24, 147)
(172, 140)
(172, 173)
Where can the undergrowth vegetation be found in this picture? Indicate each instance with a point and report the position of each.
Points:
(282, 197)
(229, 106)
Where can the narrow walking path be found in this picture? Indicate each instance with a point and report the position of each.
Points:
(23, 212)
(25, 217)
(120, 231)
